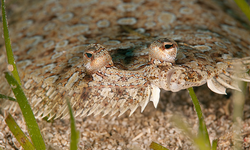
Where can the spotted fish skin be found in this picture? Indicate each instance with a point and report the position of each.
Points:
(96, 86)
(50, 38)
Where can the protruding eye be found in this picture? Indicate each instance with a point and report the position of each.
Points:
(89, 55)
(167, 46)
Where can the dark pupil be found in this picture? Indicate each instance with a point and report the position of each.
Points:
(89, 55)
(167, 46)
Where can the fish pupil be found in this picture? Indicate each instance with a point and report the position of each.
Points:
(88, 55)
(167, 46)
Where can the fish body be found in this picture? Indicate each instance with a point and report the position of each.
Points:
(52, 42)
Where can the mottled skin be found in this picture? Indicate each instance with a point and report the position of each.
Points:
(181, 74)
(50, 45)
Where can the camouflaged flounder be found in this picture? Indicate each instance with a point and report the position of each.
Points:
(58, 53)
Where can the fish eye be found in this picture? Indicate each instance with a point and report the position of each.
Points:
(89, 55)
(167, 46)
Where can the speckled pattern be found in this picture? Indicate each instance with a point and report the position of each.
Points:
(109, 56)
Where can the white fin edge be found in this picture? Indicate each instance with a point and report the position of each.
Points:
(224, 83)
(145, 102)
(133, 108)
(213, 87)
(155, 95)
